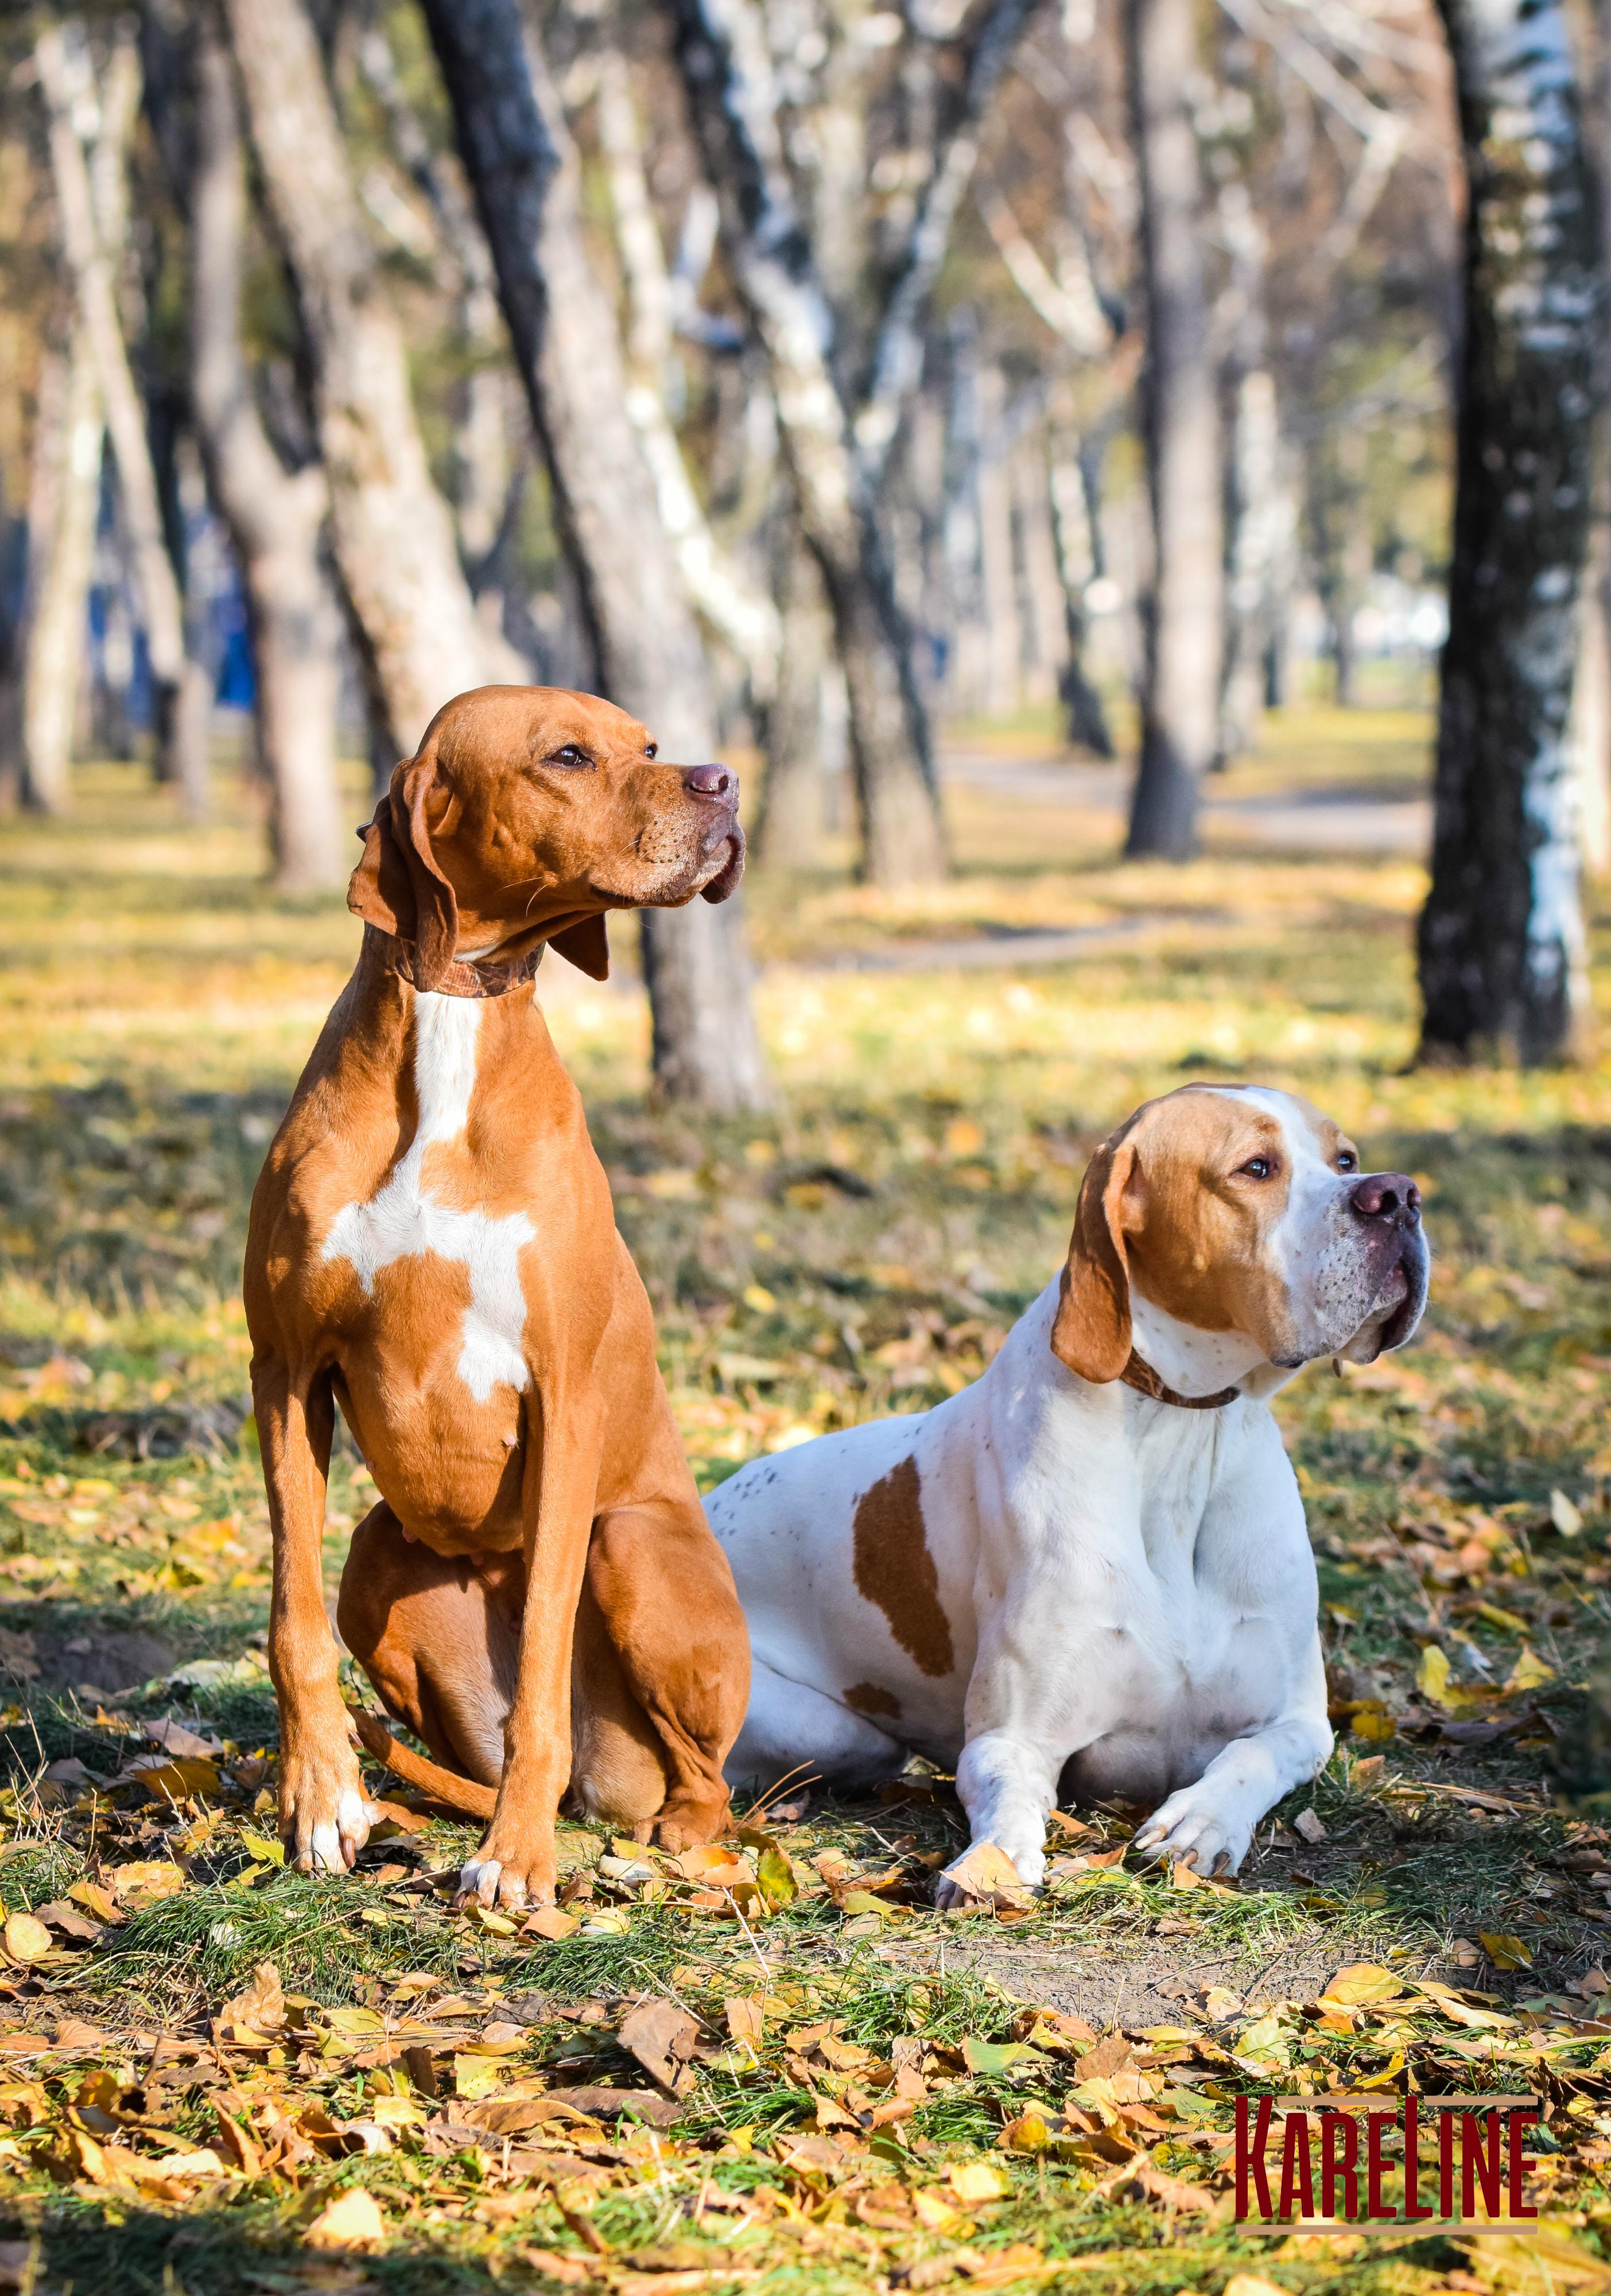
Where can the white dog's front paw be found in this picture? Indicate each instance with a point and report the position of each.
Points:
(1189, 1830)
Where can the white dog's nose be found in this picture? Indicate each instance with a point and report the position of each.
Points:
(1390, 1197)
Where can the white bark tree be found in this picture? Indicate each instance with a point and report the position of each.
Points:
(524, 169)
(744, 617)
(276, 517)
(1501, 938)
(64, 497)
(94, 226)
(392, 531)
(727, 72)
(1183, 616)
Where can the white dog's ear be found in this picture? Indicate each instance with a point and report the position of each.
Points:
(1091, 1334)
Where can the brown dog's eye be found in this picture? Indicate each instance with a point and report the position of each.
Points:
(1257, 1168)
(570, 755)
(651, 749)
(1346, 1160)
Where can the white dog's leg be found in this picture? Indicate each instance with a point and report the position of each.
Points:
(790, 1725)
(1007, 1786)
(1210, 1824)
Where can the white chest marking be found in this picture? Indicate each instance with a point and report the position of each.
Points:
(404, 1221)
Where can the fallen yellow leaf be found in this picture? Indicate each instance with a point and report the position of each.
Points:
(353, 2219)
(26, 1939)
(973, 2181)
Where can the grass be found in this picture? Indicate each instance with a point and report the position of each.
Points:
(861, 1251)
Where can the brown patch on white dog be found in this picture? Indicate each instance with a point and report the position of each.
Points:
(867, 1698)
(894, 1569)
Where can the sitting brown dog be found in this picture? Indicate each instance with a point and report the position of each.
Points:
(432, 1247)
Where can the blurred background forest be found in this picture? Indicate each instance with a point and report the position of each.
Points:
(881, 395)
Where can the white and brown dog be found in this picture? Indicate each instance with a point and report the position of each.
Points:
(1090, 1573)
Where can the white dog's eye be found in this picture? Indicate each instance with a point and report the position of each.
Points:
(1257, 1168)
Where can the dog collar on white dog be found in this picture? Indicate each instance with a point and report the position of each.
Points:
(1140, 1375)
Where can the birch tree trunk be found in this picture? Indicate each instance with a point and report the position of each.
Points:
(1086, 719)
(736, 611)
(1001, 645)
(727, 74)
(788, 831)
(63, 499)
(1501, 941)
(392, 531)
(93, 232)
(1182, 618)
(274, 518)
(1043, 606)
(523, 168)
(1261, 516)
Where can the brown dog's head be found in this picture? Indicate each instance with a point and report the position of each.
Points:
(1241, 1209)
(526, 816)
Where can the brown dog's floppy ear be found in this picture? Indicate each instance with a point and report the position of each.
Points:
(435, 932)
(378, 889)
(1091, 1334)
(586, 945)
(397, 885)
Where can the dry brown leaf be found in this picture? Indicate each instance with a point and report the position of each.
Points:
(98, 1901)
(66, 1918)
(661, 2036)
(176, 1738)
(174, 1782)
(746, 2019)
(569, 2271)
(550, 1922)
(261, 2008)
(986, 1875)
(238, 2142)
(144, 1878)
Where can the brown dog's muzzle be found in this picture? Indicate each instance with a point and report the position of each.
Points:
(719, 788)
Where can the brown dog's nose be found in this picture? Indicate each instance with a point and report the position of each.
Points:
(1390, 1196)
(711, 780)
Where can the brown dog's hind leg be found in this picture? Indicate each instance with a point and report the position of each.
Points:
(617, 1773)
(666, 1602)
(434, 1635)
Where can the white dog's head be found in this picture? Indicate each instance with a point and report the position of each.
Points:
(1239, 1210)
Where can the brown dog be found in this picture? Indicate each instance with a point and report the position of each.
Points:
(432, 1247)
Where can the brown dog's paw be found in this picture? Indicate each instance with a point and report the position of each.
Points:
(324, 1814)
(512, 1878)
(686, 1821)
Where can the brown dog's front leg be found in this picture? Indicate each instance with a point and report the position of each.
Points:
(325, 1817)
(515, 1864)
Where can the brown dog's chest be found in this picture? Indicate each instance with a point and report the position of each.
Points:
(439, 1277)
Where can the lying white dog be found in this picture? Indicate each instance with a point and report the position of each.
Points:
(1090, 1571)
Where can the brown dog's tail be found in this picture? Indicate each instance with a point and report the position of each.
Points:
(446, 1785)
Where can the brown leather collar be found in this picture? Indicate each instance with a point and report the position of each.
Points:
(1145, 1380)
(485, 978)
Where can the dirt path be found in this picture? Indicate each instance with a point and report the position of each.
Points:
(1345, 818)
